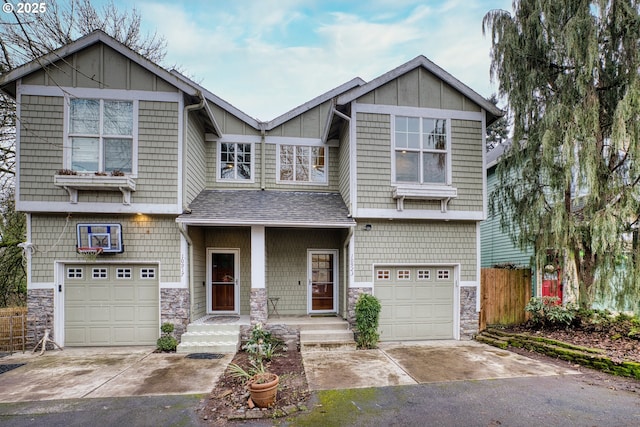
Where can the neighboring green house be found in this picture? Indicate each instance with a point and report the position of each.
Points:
(194, 209)
(497, 248)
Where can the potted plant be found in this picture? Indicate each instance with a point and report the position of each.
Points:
(262, 385)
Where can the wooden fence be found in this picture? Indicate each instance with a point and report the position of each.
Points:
(13, 329)
(505, 293)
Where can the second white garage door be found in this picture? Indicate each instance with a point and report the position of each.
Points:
(111, 305)
(417, 302)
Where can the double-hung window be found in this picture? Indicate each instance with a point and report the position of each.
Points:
(421, 150)
(302, 164)
(101, 135)
(235, 161)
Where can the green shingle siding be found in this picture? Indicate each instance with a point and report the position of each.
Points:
(397, 242)
(145, 238)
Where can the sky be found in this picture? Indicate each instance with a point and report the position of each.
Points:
(267, 57)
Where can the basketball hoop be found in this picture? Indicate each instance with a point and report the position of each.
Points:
(89, 253)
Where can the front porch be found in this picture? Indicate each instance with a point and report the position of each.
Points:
(225, 333)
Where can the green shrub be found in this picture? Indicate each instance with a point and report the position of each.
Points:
(547, 311)
(167, 342)
(367, 318)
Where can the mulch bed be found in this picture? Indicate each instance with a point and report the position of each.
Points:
(228, 400)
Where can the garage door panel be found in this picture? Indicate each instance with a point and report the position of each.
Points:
(124, 293)
(147, 293)
(419, 306)
(121, 309)
(98, 313)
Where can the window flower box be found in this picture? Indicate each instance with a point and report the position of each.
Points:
(74, 183)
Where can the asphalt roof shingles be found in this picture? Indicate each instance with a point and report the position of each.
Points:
(284, 208)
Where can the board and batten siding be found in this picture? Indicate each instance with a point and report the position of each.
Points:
(419, 88)
(98, 66)
(230, 124)
(374, 165)
(403, 242)
(145, 238)
(309, 124)
(198, 294)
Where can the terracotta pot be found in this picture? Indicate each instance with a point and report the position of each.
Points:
(263, 389)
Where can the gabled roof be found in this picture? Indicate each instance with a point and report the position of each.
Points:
(356, 82)
(89, 40)
(220, 102)
(273, 208)
(493, 156)
(493, 112)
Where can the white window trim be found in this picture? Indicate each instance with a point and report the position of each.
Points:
(219, 177)
(66, 152)
(448, 177)
(293, 143)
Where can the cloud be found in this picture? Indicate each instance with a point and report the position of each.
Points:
(268, 56)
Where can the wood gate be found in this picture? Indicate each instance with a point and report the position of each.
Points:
(505, 293)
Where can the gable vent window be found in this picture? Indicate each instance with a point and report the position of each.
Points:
(147, 273)
(99, 273)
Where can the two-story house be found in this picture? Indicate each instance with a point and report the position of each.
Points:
(149, 199)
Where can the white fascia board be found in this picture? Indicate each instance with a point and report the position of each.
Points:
(86, 92)
(173, 285)
(287, 140)
(419, 214)
(98, 208)
(435, 113)
(41, 285)
(469, 284)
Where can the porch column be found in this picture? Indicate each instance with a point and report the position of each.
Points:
(258, 275)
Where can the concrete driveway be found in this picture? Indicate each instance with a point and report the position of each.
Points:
(106, 372)
(137, 371)
(419, 363)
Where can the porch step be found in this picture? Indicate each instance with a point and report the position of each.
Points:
(205, 338)
(323, 335)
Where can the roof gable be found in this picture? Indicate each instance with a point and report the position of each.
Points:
(82, 43)
(492, 112)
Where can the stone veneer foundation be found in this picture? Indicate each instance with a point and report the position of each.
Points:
(259, 307)
(174, 308)
(468, 315)
(39, 314)
(353, 295)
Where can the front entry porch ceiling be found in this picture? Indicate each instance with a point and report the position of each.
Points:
(272, 208)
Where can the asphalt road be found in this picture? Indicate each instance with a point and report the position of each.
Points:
(571, 400)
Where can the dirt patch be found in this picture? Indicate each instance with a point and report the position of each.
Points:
(228, 399)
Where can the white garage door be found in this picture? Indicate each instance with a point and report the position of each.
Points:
(417, 302)
(111, 305)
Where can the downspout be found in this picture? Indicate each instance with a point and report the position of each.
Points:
(182, 227)
(263, 155)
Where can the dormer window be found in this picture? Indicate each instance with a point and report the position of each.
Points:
(101, 135)
(302, 164)
(235, 161)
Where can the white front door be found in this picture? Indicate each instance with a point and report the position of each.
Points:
(223, 281)
(322, 279)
